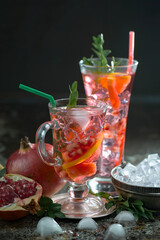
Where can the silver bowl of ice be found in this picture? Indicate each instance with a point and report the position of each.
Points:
(140, 182)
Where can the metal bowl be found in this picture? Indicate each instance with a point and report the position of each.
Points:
(149, 195)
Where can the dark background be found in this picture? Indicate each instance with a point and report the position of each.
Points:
(41, 43)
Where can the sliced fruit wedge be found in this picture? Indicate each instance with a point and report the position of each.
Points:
(115, 83)
(82, 170)
(85, 156)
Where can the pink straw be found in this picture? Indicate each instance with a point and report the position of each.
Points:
(131, 50)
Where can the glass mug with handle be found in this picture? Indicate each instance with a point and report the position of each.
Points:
(77, 143)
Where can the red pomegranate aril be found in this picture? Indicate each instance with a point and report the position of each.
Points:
(7, 195)
(24, 189)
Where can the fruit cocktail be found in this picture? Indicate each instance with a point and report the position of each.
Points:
(77, 142)
(110, 80)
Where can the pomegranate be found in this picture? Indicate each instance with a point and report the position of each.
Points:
(19, 196)
(27, 162)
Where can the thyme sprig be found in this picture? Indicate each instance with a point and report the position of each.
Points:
(101, 53)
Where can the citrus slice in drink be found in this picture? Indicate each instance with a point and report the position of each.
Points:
(82, 170)
(67, 157)
(115, 83)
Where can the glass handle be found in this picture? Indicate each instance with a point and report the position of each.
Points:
(40, 141)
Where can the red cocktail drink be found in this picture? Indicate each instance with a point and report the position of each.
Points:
(77, 143)
(113, 86)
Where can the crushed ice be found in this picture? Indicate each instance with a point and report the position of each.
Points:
(146, 173)
(126, 218)
(48, 226)
(87, 223)
(115, 232)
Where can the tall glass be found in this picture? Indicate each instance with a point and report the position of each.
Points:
(77, 144)
(112, 85)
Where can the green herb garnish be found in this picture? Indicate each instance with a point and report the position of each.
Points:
(50, 209)
(73, 95)
(134, 206)
(2, 172)
(101, 53)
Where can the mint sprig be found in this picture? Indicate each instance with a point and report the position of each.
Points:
(50, 209)
(102, 54)
(135, 206)
(2, 172)
(73, 95)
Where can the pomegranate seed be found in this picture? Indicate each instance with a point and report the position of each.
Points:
(10, 190)
(79, 151)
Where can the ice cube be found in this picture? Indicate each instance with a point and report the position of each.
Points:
(80, 116)
(125, 97)
(115, 232)
(129, 169)
(87, 223)
(153, 156)
(126, 218)
(135, 179)
(153, 159)
(48, 226)
(123, 111)
(143, 166)
(99, 94)
(118, 174)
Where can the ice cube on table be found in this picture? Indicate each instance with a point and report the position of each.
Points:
(126, 218)
(87, 223)
(115, 232)
(80, 116)
(48, 226)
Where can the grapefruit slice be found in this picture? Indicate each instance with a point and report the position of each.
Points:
(85, 156)
(115, 83)
(82, 170)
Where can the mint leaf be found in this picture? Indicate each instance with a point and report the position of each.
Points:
(134, 206)
(2, 172)
(48, 208)
(109, 205)
(60, 215)
(73, 95)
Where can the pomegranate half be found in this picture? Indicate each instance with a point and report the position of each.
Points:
(27, 162)
(19, 196)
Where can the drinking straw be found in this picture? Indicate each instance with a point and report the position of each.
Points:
(37, 92)
(131, 50)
